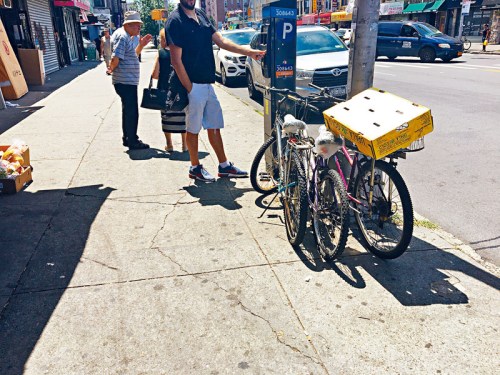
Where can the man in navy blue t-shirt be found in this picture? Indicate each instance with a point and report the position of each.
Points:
(190, 35)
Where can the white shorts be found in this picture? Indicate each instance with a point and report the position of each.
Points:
(204, 109)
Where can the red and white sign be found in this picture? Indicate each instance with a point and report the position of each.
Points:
(81, 4)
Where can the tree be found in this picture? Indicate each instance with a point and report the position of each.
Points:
(144, 7)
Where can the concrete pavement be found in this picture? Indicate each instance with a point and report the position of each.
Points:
(115, 262)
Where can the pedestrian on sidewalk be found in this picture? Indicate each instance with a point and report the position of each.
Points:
(171, 121)
(190, 35)
(125, 68)
(98, 46)
(106, 47)
(486, 35)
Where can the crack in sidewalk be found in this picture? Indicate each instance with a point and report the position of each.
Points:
(165, 221)
(101, 263)
(278, 336)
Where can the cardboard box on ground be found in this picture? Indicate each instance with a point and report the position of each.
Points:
(32, 65)
(11, 186)
(11, 76)
(379, 123)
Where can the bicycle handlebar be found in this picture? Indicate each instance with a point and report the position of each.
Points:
(287, 93)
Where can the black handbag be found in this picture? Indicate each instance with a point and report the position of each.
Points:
(154, 98)
(177, 95)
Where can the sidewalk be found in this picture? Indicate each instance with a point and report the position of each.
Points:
(491, 49)
(115, 262)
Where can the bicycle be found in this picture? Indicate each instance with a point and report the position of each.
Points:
(379, 197)
(283, 172)
(326, 196)
(466, 42)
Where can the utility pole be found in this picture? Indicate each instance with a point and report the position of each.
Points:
(464, 11)
(363, 46)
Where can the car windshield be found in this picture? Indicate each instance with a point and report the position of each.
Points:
(313, 42)
(239, 38)
(340, 32)
(427, 30)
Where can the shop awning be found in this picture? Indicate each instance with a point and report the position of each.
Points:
(434, 7)
(341, 17)
(80, 4)
(325, 18)
(415, 8)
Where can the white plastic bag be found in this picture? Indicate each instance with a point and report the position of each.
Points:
(326, 143)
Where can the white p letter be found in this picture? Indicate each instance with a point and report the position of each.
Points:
(287, 28)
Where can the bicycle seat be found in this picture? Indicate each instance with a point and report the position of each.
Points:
(292, 126)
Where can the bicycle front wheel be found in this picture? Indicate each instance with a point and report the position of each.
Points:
(387, 226)
(295, 202)
(331, 215)
(264, 175)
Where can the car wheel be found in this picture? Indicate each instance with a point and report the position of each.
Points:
(252, 91)
(427, 55)
(223, 76)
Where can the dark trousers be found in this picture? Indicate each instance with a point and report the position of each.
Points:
(130, 110)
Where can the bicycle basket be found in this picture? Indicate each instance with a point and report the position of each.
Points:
(415, 146)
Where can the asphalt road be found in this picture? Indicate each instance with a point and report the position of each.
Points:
(453, 181)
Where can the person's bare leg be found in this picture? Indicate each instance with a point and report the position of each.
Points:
(168, 139)
(192, 143)
(184, 145)
(215, 139)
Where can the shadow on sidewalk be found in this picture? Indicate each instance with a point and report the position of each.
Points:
(13, 115)
(35, 272)
(223, 192)
(417, 278)
(156, 153)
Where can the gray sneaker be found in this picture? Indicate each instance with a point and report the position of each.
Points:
(201, 174)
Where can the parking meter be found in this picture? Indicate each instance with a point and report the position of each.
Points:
(279, 36)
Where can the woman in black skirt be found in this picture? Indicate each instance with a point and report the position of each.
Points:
(171, 121)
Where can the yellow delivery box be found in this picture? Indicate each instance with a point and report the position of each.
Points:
(379, 123)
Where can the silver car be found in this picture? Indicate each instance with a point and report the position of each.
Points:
(322, 59)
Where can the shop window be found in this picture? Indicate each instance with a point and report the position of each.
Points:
(100, 3)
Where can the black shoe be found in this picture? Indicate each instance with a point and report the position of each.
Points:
(138, 145)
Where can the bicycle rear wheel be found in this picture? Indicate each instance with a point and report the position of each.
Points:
(331, 215)
(467, 44)
(263, 176)
(295, 202)
(388, 228)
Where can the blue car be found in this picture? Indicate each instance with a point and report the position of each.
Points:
(416, 39)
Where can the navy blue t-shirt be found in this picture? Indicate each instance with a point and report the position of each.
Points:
(195, 39)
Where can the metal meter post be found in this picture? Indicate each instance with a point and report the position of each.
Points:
(279, 38)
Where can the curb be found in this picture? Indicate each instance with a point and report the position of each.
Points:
(483, 53)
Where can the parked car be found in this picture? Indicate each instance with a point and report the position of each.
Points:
(229, 65)
(322, 59)
(416, 39)
(344, 34)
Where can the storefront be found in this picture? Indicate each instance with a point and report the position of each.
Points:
(42, 31)
(68, 11)
(15, 21)
(432, 12)
(341, 19)
(478, 13)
